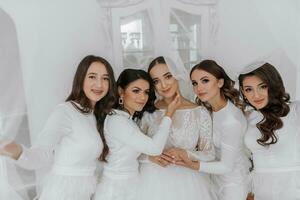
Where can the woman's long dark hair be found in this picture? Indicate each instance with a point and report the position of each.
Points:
(128, 76)
(103, 106)
(277, 106)
(227, 90)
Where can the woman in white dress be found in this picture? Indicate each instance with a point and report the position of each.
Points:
(191, 131)
(273, 134)
(126, 142)
(70, 135)
(215, 90)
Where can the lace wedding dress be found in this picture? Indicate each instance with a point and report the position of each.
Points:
(191, 130)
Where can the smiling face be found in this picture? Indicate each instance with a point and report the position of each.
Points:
(206, 86)
(165, 84)
(96, 82)
(135, 95)
(255, 91)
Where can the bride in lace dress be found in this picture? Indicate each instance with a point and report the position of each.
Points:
(191, 130)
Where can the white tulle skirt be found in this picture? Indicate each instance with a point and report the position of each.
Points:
(230, 190)
(232, 186)
(117, 188)
(63, 187)
(173, 183)
(277, 186)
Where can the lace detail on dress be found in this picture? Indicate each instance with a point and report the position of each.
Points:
(205, 123)
(191, 128)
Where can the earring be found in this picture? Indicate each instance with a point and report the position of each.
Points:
(121, 101)
(197, 100)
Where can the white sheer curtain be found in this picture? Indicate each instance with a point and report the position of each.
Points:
(37, 65)
(14, 182)
(266, 30)
(176, 29)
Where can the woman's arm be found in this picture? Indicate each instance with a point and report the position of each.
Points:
(205, 150)
(232, 138)
(40, 154)
(127, 132)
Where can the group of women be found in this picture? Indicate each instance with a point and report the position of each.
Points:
(169, 148)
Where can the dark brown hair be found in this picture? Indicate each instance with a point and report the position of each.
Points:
(128, 76)
(103, 106)
(277, 106)
(158, 60)
(227, 90)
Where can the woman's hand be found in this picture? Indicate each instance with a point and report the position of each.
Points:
(10, 149)
(173, 154)
(195, 165)
(174, 105)
(180, 157)
(250, 196)
(159, 160)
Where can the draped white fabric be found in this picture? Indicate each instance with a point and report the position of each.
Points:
(13, 115)
(41, 44)
(189, 31)
(177, 30)
(251, 30)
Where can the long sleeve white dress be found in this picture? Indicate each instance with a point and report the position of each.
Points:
(191, 130)
(276, 174)
(126, 142)
(231, 168)
(70, 139)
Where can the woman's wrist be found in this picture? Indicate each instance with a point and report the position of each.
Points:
(18, 151)
(195, 165)
(169, 113)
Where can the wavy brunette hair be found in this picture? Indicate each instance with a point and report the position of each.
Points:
(277, 106)
(103, 106)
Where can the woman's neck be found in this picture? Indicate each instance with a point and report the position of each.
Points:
(218, 103)
(129, 111)
(163, 103)
(167, 101)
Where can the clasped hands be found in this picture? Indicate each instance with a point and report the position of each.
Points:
(175, 156)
